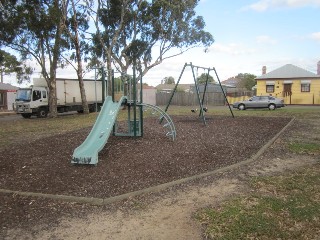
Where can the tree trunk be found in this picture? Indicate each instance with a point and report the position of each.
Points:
(52, 97)
(78, 56)
(53, 112)
(109, 69)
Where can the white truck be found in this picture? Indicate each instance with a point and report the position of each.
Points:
(34, 100)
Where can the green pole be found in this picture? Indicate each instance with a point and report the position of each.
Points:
(141, 101)
(225, 97)
(112, 82)
(134, 100)
(174, 90)
(205, 90)
(103, 85)
(198, 95)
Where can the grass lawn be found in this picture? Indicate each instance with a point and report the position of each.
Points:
(282, 207)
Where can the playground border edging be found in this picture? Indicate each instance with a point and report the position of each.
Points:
(157, 188)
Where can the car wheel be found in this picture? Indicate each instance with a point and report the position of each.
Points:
(242, 107)
(42, 113)
(272, 107)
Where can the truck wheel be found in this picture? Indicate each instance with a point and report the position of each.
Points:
(42, 113)
(26, 115)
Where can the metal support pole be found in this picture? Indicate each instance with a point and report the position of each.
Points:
(134, 100)
(112, 87)
(198, 95)
(175, 87)
(174, 90)
(141, 101)
(223, 92)
(103, 85)
(205, 90)
(95, 89)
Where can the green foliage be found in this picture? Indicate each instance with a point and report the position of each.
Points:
(9, 64)
(131, 30)
(203, 78)
(247, 80)
(168, 80)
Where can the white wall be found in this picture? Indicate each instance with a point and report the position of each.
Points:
(11, 96)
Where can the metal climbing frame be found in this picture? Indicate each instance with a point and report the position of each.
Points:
(163, 115)
(135, 105)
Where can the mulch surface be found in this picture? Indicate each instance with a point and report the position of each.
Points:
(127, 164)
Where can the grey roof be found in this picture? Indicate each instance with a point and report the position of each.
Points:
(233, 81)
(288, 71)
(6, 86)
(171, 86)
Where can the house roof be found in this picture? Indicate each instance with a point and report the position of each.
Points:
(146, 86)
(288, 71)
(171, 86)
(232, 81)
(7, 86)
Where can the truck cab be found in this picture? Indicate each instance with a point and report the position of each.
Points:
(32, 101)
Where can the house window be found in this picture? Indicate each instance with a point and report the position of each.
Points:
(270, 88)
(305, 87)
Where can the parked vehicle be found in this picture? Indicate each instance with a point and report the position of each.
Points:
(34, 100)
(260, 102)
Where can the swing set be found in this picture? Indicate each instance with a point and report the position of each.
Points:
(200, 101)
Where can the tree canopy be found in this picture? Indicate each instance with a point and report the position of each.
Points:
(203, 78)
(168, 80)
(125, 33)
(145, 31)
(247, 80)
(10, 64)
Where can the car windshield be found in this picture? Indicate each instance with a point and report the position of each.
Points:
(24, 95)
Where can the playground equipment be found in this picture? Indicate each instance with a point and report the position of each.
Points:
(202, 109)
(87, 152)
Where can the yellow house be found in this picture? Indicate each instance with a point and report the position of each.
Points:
(295, 85)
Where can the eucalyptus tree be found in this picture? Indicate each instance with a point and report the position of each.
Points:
(76, 26)
(34, 28)
(168, 80)
(247, 80)
(9, 64)
(145, 32)
(203, 78)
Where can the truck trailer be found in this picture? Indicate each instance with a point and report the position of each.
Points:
(34, 100)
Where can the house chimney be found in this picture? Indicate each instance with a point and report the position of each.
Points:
(264, 69)
(318, 69)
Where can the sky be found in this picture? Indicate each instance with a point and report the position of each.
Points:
(249, 34)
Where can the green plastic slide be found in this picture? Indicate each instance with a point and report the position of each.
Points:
(87, 152)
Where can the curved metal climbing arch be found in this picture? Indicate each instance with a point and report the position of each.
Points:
(162, 115)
